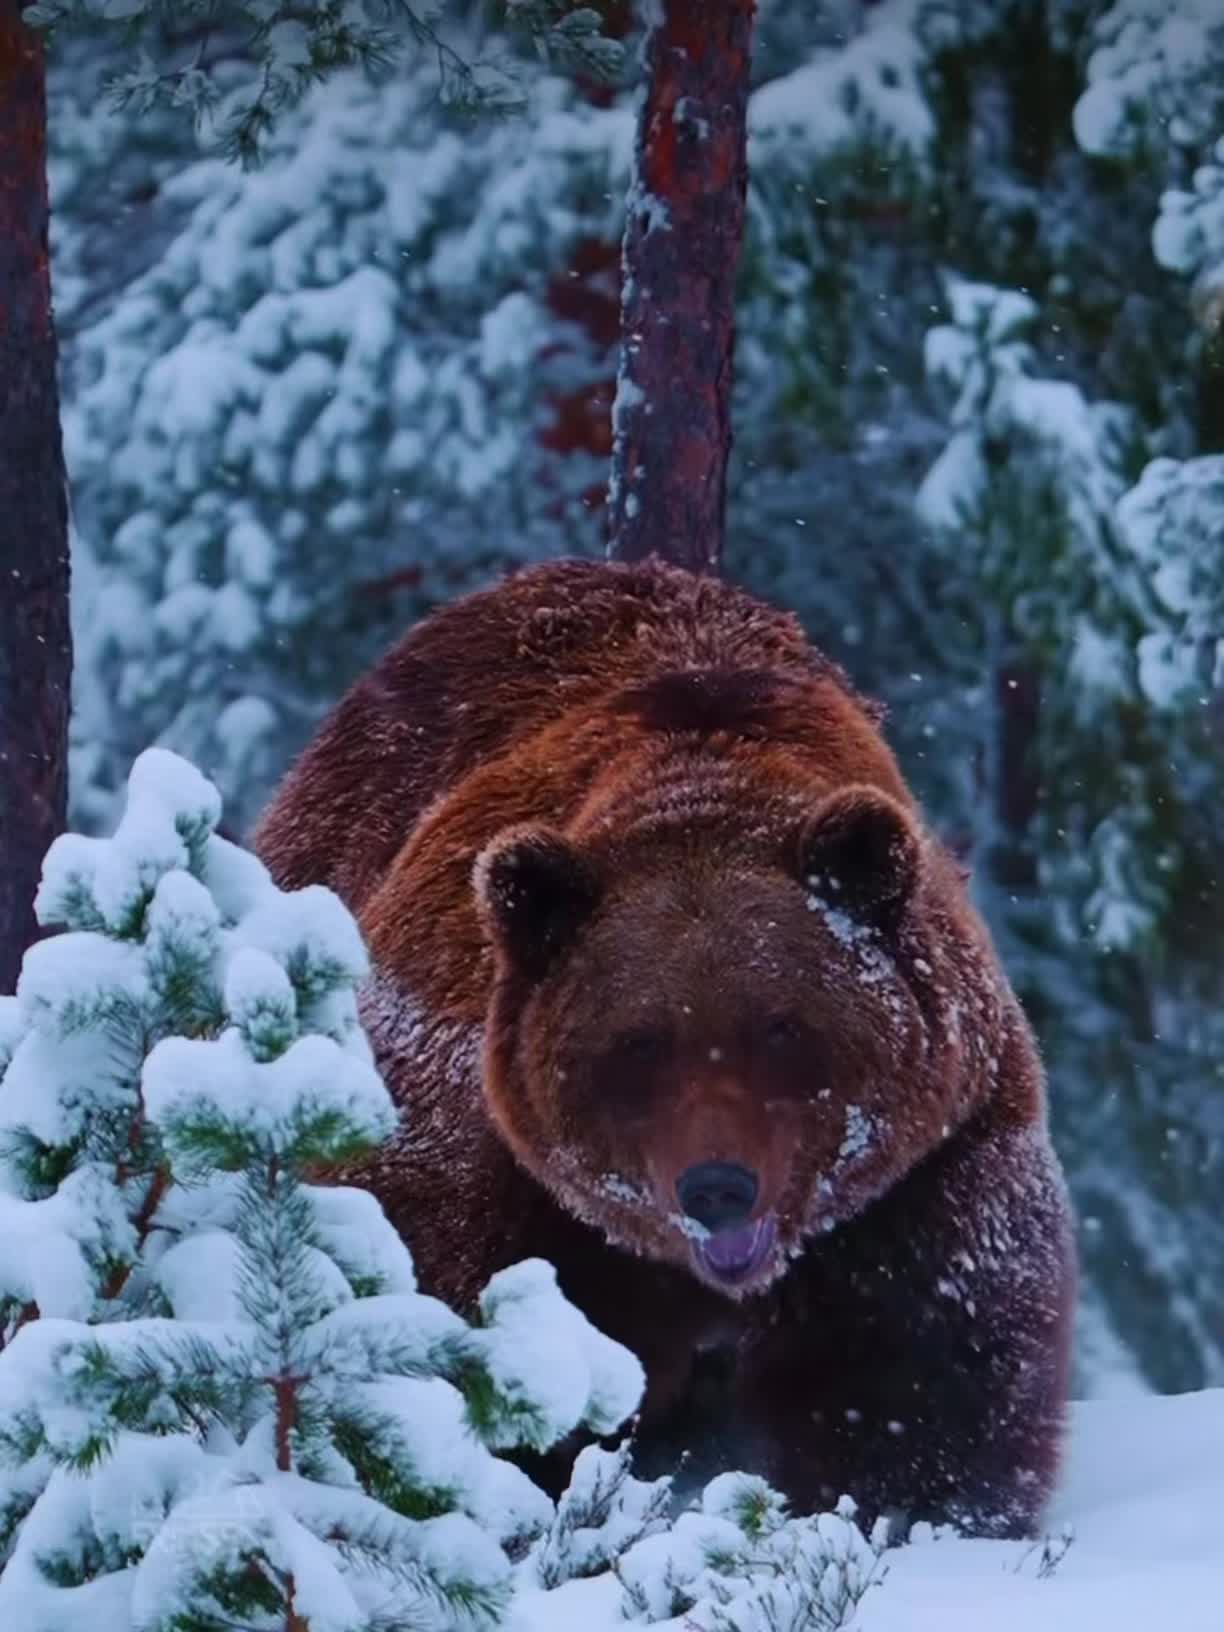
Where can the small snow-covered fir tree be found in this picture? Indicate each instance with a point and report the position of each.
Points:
(604, 1512)
(735, 1561)
(739, 1563)
(223, 1402)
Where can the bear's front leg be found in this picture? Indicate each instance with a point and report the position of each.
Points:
(916, 1358)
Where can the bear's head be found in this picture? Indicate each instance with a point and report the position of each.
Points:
(714, 1052)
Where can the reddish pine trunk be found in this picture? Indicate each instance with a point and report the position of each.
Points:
(35, 644)
(672, 418)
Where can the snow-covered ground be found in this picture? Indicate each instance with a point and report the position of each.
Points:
(1143, 1495)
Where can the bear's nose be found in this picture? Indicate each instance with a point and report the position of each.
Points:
(719, 1195)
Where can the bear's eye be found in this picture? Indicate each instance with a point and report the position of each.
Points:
(639, 1049)
(783, 1031)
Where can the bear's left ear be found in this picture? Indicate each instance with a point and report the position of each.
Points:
(534, 891)
(861, 851)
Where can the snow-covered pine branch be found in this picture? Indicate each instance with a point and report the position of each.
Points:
(739, 1563)
(1153, 78)
(1170, 522)
(1189, 236)
(234, 68)
(604, 1513)
(568, 35)
(1029, 482)
(222, 1399)
(734, 1562)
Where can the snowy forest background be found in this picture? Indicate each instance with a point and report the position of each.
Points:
(980, 450)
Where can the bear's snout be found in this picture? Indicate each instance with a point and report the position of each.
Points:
(735, 1230)
(719, 1195)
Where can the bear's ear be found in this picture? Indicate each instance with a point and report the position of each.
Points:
(534, 891)
(861, 851)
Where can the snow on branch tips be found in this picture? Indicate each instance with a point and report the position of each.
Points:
(222, 1398)
(1188, 237)
(235, 69)
(1153, 77)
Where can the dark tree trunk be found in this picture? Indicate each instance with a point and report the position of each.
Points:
(35, 644)
(672, 419)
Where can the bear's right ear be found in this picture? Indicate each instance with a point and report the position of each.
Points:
(534, 891)
(862, 850)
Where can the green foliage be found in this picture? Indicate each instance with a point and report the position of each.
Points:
(187, 50)
(741, 1563)
(285, 428)
(222, 1399)
(568, 35)
(1051, 677)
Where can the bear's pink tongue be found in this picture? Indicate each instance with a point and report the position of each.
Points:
(734, 1253)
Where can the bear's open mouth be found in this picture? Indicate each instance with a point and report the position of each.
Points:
(733, 1256)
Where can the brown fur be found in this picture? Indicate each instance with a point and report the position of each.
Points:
(644, 887)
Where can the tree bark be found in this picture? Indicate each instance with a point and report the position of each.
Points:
(672, 416)
(35, 643)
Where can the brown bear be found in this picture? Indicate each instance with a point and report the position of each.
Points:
(676, 990)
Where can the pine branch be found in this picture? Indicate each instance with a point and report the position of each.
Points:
(285, 1392)
(27, 1313)
(145, 1215)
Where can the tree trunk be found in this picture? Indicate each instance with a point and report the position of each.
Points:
(35, 643)
(672, 416)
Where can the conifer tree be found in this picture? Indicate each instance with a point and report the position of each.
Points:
(738, 1562)
(223, 1401)
(733, 1561)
